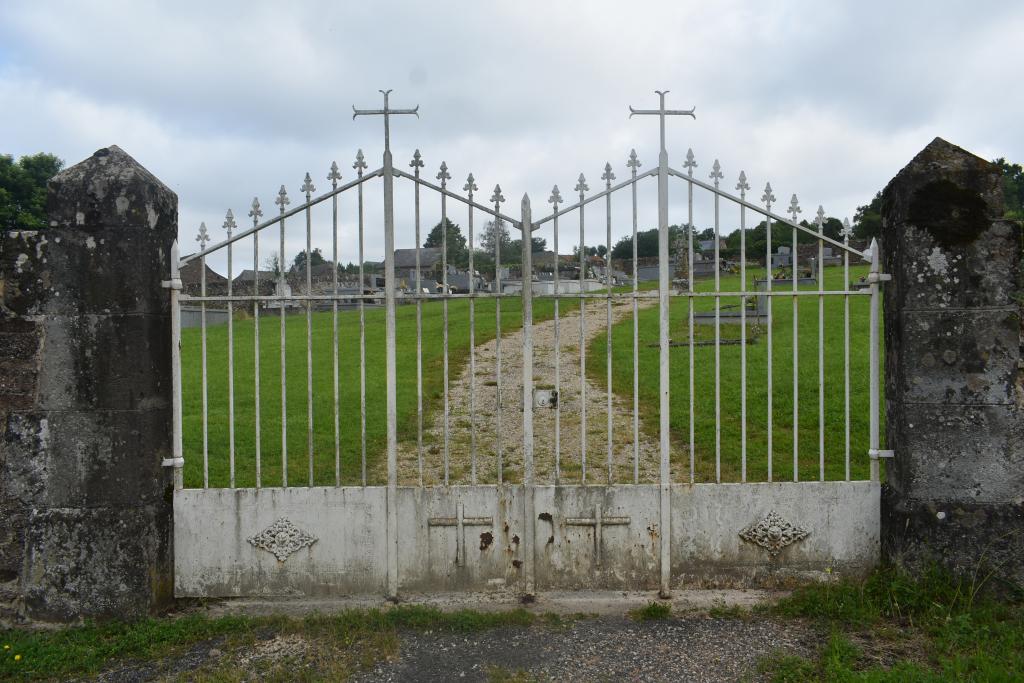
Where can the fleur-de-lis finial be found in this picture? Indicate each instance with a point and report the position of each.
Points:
(690, 163)
(282, 198)
(716, 172)
(360, 164)
(497, 197)
(307, 186)
(203, 237)
(556, 197)
(229, 222)
(581, 185)
(847, 231)
(417, 160)
(443, 175)
(335, 175)
(608, 176)
(470, 185)
(821, 217)
(743, 185)
(794, 208)
(768, 197)
(633, 162)
(255, 212)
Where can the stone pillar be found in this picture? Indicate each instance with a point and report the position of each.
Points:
(954, 380)
(85, 399)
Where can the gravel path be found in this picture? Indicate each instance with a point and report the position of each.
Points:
(606, 649)
(481, 423)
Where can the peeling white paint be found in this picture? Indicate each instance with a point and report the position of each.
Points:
(22, 260)
(90, 243)
(121, 204)
(151, 215)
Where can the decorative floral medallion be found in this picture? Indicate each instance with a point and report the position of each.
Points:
(773, 533)
(282, 538)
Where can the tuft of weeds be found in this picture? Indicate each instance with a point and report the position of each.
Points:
(652, 611)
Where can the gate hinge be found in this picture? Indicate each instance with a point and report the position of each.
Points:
(171, 284)
(173, 462)
(878, 277)
(875, 454)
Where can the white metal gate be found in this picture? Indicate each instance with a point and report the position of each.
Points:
(473, 511)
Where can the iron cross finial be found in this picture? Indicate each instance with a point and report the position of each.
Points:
(633, 162)
(743, 185)
(497, 197)
(229, 222)
(282, 198)
(794, 208)
(847, 231)
(768, 197)
(716, 172)
(443, 175)
(661, 113)
(608, 176)
(203, 237)
(255, 212)
(335, 175)
(360, 163)
(307, 186)
(470, 185)
(386, 112)
(556, 197)
(581, 185)
(821, 217)
(417, 161)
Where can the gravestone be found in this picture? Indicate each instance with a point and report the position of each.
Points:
(954, 380)
(85, 400)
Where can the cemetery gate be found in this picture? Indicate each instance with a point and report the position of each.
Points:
(344, 433)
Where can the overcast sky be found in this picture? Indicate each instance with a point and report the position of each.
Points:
(224, 101)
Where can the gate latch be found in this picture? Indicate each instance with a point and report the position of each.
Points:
(875, 454)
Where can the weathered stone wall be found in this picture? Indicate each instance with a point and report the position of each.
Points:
(85, 412)
(954, 378)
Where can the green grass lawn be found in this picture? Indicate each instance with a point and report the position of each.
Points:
(323, 388)
(757, 371)
(349, 395)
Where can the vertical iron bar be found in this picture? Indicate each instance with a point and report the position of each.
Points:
(282, 201)
(230, 223)
(556, 197)
(690, 164)
(308, 187)
(360, 166)
(820, 271)
(796, 353)
(527, 293)
(846, 349)
(768, 198)
(743, 186)
(470, 187)
(633, 165)
(664, 476)
(581, 187)
(417, 164)
(716, 175)
(608, 178)
(443, 177)
(876, 302)
(205, 377)
(177, 458)
(390, 370)
(255, 212)
(497, 198)
(334, 176)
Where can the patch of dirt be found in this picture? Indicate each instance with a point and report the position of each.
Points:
(475, 414)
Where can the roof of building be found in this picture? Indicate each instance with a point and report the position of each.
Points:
(191, 274)
(247, 276)
(406, 258)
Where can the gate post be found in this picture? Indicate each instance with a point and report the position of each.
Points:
(527, 277)
(85, 399)
(954, 373)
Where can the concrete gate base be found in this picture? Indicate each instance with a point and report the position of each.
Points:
(324, 542)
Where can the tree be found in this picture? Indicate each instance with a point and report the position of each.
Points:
(316, 258)
(1013, 188)
(647, 243)
(495, 232)
(23, 190)
(867, 220)
(458, 254)
(272, 263)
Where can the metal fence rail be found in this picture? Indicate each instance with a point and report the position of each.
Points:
(675, 443)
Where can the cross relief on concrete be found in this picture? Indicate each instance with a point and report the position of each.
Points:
(598, 521)
(460, 521)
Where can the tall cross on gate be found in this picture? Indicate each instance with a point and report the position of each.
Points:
(662, 113)
(386, 112)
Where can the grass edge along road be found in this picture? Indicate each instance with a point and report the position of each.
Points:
(888, 627)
